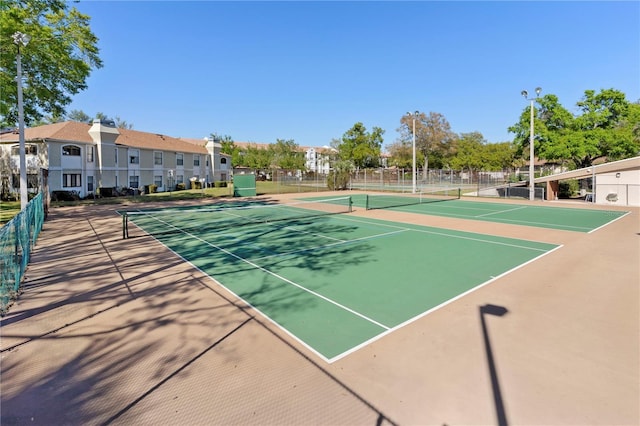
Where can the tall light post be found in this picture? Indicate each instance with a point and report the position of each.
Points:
(531, 137)
(21, 39)
(413, 169)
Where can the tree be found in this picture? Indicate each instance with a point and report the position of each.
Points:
(469, 154)
(79, 115)
(498, 156)
(434, 138)
(604, 129)
(401, 154)
(256, 158)
(119, 123)
(338, 178)
(285, 154)
(56, 63)
(360, 146)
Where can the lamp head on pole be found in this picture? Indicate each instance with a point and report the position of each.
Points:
(538, 90)
(20, 38)
(524, 93)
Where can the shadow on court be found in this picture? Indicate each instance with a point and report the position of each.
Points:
(498, 311)
(106, 333)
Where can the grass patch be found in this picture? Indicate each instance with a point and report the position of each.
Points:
(8, 209)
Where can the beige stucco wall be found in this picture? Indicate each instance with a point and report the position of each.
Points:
(618, 188)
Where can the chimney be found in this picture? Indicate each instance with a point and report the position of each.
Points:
(104, 134)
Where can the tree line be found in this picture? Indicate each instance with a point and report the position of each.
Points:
(606, 127)
(284, 154)
(63, 52)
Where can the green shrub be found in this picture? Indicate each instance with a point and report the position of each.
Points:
(65, 196)
(153, 188)
(220, 184)
(338, 180)
(568, 188)
(195, 184)
(181, 187)
(10, 196)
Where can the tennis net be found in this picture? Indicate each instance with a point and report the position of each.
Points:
(385, 201)
(189, 220)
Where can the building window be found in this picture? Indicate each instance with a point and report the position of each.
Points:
(90, 154)
(89, 183)
(180, 179)
(134, 181)
(223, 160)
(32, 181)
(71, 150)
(134, 157)
(28, 150)
(157, 180)
(196, 160)
(223, 177)
(179, 159)
(157, 158)
(71, 180)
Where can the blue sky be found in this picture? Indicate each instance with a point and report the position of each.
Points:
(308, 71)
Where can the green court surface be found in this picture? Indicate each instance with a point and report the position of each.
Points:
(338, 282)
(568, 219)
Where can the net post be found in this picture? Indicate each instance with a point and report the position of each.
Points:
(366, 202)
(124, 226)
(350, 204)
(459, 192)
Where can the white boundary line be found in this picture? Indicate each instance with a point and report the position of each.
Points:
(545, 225)
(608, 223)
(455, 236)
(217, 282)
(387, 329)
(280, 277)
(435, 308)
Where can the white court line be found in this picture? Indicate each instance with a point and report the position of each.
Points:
(281, 227)
(501, 211)
(424, 231)
(333, 302)
(370, 237)
(547, 225)
(608, 223)
(387, 329)
(425, 313)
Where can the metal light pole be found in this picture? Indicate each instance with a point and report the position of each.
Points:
(21, 39)
(413, 170)
(532, 191)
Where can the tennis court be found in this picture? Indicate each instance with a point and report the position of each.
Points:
(449, 205)
(335, 282)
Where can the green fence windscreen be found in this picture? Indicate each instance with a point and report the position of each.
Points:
(17, 237)
(244, 185)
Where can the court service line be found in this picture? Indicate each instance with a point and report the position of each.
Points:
(451, 235)
(257, 222)
(355, 240)
(501, 211)
(547, 225)
(288, 281)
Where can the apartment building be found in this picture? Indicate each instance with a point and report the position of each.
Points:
(86, 158)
